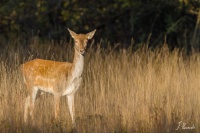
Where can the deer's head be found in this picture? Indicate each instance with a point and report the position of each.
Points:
(80, 40)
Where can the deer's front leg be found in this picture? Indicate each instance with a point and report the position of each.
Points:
(57, 104)
(71, 108)
(70, 97)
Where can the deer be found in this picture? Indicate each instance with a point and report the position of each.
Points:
(57, 78)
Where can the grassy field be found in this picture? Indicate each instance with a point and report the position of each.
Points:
(122, 92)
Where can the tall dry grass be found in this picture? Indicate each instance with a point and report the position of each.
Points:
(142, 91)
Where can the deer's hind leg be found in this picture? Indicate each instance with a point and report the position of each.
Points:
(30, 101)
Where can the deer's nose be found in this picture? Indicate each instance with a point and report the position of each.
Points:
(82, 51)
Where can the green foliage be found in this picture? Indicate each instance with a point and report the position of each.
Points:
(116, 20)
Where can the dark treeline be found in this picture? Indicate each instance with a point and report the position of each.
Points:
(145, 21)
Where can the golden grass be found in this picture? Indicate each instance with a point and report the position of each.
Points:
(142, 91)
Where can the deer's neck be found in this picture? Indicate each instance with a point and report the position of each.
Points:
(78, 64)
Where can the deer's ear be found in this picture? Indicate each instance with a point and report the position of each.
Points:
(73, 34)
(91, 34)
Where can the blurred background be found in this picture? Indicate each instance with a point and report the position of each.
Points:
(152, 22)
